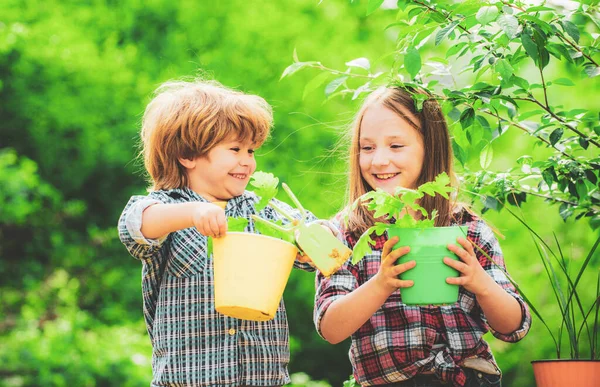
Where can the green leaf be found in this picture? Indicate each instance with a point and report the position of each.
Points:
(504, 68)
(530, 47)
(363, 63)
(373, 6)
(581, 190)
(444, 32)
(592, 71)
(363, 246)
(236, 224)
(315, 83)
(265, 185)
(486, 156)
(584, 142)
(563, 82)
(419, 100)
(455, 48)
(571, 29)
(467, 117)
(459, 153)
(291, 69)
(412, 61)
(556, 135)
(335, 84)
(509, 25)
(487, 15)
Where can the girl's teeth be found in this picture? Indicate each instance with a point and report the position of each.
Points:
(239, 176)
(386, 176)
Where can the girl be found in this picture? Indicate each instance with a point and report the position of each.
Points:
(394, 344)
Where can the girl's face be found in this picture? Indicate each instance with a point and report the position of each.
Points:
(391, 150)
(224, 172)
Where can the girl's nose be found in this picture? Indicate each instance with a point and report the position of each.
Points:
(380, 158)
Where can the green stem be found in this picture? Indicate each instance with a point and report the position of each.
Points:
(295, 200)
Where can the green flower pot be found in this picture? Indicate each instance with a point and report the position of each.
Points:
(428, 248)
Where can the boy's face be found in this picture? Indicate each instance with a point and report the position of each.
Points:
(224, 172)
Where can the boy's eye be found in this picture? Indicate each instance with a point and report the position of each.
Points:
(251, 151)
(397, 146)
(235, 149)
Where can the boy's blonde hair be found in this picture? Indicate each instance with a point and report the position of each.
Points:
(186, 119)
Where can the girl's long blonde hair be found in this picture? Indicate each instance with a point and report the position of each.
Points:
(430, 123)
(186, 119)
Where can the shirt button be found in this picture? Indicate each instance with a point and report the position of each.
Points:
(231, 332)
(479, 375)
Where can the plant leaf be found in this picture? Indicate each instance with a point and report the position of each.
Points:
(509, 25)
(373, 6)
(412, 61)
(486, 15)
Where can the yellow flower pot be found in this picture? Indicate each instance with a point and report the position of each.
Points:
(251, 272)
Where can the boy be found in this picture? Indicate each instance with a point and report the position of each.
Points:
(199, 140)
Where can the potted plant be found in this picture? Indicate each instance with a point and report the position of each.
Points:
(427, 243)
(251, 270)
(578, 317)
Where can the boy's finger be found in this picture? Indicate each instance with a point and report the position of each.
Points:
(222, 221)
(403, 283)
(461, 253)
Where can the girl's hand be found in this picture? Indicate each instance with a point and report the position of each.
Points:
(473, 277)
(387, 277)
(209, 219)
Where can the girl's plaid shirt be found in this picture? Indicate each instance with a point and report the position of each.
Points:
(401, 341)
(191, 343)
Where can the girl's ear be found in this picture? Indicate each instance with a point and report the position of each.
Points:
(187, 163)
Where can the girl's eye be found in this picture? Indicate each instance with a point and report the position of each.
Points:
(397, 146)
(366, 148)
(235, 149)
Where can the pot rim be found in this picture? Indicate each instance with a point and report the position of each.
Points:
(565, 360)
(258, 235)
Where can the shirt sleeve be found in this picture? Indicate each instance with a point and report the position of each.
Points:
(491, 259)
(130, 225)
(329, 289)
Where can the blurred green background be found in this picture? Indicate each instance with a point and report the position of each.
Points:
(75, 77)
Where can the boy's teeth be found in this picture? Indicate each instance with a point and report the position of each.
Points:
(239, 176)
(386, 176)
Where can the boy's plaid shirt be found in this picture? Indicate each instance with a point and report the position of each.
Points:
(193, 345)
(401, 341)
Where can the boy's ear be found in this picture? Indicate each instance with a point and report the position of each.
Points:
(187, 163)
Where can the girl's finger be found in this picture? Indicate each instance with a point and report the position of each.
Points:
(399, 252)
(387, 246)
(461, 253)
(461, 281)
(457, 265)
(399, 269)
(466, 244)
(402, 283)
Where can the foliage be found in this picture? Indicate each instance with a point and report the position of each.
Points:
(393, 207)
(505, 45)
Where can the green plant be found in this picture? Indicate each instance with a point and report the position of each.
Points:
(393, 207)
(325, 251)
(507, 52)
(575, 311)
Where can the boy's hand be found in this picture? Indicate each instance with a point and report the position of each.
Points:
(209, 219)
(388, 273)
(473, 277)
